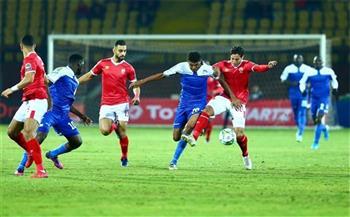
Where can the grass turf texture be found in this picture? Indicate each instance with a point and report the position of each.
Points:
(288, 178)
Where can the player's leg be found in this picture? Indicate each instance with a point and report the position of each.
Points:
(15, 127)
(215, 106)
(208, 131)
(238, 122)
(301, 119)
(121, 113)
(36, 110)
(295, 107)
(14, 132)
(179, 123)
(30, 127)
(124, 142)
(319, 120)
(67, 128)
(108, 120)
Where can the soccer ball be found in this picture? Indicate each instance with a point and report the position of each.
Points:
(227, 136)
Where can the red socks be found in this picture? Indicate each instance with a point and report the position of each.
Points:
(113, 127)
(21, 141)
(35, 150)
(124, 142)
(208, 131)
(202, 123)
(243, 144)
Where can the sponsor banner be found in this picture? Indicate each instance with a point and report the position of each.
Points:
(259, 113)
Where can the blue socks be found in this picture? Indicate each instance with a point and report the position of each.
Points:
(318, 130)
(301, 121)
(60, 150)
(181, 145)
(23, 162)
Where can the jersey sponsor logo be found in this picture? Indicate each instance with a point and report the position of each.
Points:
(28, 67)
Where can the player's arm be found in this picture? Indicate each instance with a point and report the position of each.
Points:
(302, 82)
(47, 84)
(83, 117)
(137, 92)
(86, 77)
(234, 100)
(28, 79)
(150, 78)
(264, 68)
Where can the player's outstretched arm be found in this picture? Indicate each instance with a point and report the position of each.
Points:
(141, 82)
(86, 77)
(28, 79)
(83, 117)
(264, 68)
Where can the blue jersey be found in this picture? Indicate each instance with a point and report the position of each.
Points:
(293, 74)
(63, 88)
(319, 82)
(193, 84)
(193, 91)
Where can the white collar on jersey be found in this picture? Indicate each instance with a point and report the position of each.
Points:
(60, 72)
(115, 63)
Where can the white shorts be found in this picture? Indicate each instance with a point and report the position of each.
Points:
(118, 112)
(35, 108)
(221, 104)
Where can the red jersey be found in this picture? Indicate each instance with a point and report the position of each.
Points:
(36, 89)
(213, 88)
(237, 77)
(114, 77)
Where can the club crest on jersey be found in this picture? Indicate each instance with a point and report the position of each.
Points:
(28, 67)
(106, 67)
(240, 70)
(122, 71)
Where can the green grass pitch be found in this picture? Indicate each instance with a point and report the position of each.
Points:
(288, 178)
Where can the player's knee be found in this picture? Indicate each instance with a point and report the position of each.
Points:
(176, 138)
(239, 133)
(28, 134)
(209, 110)
(104, 131)
(12, 134)
(77, 143)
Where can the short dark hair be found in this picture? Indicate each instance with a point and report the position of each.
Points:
(28, 40)
(75, 58)
(194, 57)
(120, 42)
(237, 50)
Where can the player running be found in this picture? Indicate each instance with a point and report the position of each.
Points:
(292, 75)
(62, 92)
(319, 79)
(194, 74)
(24, 124)
(236, 72)
(114, 110)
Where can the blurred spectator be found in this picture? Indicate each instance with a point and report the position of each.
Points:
(256, 93)
(98, 10)
(82, 11)
(258, 9)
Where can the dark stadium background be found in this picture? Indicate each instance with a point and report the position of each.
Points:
(41, 18)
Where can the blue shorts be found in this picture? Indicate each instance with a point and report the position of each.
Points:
(183, 114)
(319, 105)
(61, 123)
